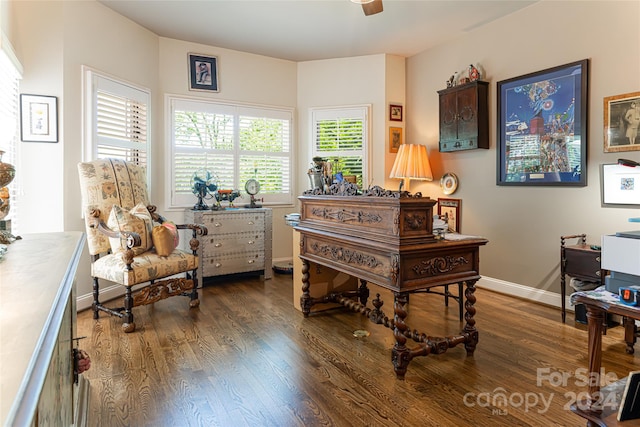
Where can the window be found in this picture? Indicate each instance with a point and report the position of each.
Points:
(116, 115)
(10, 74)
(340, 135)
(234, 143)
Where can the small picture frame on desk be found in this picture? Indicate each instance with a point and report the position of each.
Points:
(450, 209)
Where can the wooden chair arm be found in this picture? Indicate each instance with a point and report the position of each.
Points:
(133, 239)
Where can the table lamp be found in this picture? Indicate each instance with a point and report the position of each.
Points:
(411, 162)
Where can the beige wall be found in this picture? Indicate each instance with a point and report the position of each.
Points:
(53, 40)
(524, 224)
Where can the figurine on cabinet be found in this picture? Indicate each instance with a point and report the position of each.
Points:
(474, 74)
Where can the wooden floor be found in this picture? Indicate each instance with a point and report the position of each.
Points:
(247, 357)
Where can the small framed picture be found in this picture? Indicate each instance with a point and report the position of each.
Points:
(449, 210)
(38, 118)
(395, 139)
(395, 112)
(203, 73)
(620, 185)
(621, 122)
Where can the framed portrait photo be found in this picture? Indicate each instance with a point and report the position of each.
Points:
(542, 127)
(449, 209)
(38, 118)
(395, 112)
(395, 139)
(203, 73)
(621, 122)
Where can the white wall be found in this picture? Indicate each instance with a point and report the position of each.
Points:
(524, 224)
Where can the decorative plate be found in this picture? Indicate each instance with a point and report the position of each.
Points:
(449, 183)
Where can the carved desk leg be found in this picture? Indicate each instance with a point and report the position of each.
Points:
(400, 353)
(305, 298)
(470, 326)
(363, 292)
(595, 319)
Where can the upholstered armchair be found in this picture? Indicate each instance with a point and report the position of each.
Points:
(125, 245)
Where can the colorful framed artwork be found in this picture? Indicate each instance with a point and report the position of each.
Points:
(620, 185)
(203, 73)
(395, 139)
(543, 126)
(621, 122)
(38, 118)
(449, 210)
(395, 112)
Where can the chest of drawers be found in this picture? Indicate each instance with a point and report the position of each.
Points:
(239, 241)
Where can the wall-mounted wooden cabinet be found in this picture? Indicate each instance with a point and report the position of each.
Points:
(464, 117)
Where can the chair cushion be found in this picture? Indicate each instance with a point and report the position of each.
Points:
(147, 266)
(137, 220)
(165, 238)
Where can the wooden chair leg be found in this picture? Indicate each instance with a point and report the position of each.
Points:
(96, 297)
(127, 318)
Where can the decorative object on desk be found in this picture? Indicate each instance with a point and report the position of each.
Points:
(412, 162)
(252, 187)
(629, 408)
(395, 112)
(542, 127)
(203, 73)
(7, 172)
(203, 184)
(38, 118)
(450, 210)
(620, 185)
(449, 183)
(622, 122)
(225, 195)
(395, 139)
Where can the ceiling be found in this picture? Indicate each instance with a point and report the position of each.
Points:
(303, 30)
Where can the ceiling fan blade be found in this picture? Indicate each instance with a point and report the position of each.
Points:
(372, 8)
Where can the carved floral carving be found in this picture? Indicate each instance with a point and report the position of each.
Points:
(344, 215)
(340, 254)
(438, 265)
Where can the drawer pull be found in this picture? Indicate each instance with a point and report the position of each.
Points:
(217, 224)
(218, 265)
(217, 245)
(251, 223)
(251, 261)
(598, 273)
(251, 242)
(598, 258)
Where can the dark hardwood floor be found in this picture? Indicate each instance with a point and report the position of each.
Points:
(247, 357)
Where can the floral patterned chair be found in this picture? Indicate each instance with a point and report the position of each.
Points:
(125, 245)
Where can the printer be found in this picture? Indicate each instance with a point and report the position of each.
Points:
(620, 255)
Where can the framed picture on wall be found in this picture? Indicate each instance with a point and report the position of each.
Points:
(395, 112)
(449, 210)
(395, 139)
(542, 127)
(203, 73)
(621, 122)
(38, 118)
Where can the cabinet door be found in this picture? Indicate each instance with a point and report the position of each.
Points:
(467, 101)
(448, 118)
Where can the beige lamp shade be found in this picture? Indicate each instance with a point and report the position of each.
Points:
(412, 162)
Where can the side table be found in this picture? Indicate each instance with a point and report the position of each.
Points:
(578, 261)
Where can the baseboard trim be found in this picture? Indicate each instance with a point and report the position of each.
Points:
(525, 292)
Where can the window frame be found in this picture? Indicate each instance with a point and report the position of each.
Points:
(92, 81)
(176, 201)
(346, 111)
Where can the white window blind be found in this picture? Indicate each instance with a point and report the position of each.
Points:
(10, 74)
(234, 143)
(340, 135)
(117, 114)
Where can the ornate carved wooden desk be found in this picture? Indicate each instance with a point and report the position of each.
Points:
(387, 239)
